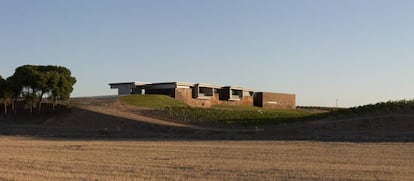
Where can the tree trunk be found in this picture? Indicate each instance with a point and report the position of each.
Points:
(40, 101)
(14, 106)
(5, 107)
(54, 103)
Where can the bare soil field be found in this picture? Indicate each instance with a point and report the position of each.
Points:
(105, 139)
(23, 158)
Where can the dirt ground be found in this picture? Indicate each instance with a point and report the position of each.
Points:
(59, 159)
(104, 139)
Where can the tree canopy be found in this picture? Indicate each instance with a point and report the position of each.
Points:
(34, 82)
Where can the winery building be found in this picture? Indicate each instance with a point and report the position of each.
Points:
(206, 95)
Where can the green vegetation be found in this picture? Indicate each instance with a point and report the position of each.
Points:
(4, 94)
(390, 107)
(30, 83)
(254, 115)
(152, 101)
(243, 116)
(231, 107)
(320, 108)
(219, 114)
(170, 108)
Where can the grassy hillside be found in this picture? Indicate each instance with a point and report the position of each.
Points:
(220, 114)
(224, 114)
(152, 101)
(244, 115)
(390, 107)
(233, 107)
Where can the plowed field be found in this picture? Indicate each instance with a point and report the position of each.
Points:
(58, 159)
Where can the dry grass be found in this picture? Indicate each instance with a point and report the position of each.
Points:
(35, 159)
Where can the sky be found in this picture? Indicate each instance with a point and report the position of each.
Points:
(356, 52)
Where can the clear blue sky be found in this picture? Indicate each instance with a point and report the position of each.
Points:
(356, 51)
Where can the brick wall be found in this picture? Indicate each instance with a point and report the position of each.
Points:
(246, 101)
(275, 100)
(186, 96)
(183, 95)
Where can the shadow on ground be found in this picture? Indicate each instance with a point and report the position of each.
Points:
(78, 123)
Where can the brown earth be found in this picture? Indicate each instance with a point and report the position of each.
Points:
(110, 118)
(104, 139)
(68, 159)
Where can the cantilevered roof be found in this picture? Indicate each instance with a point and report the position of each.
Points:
(129, 83)
(180, 84)
(239, 88)
(209, 85)
(177, 84)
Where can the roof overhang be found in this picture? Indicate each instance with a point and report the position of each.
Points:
(129, 83)
(239, 88)
(209, 85)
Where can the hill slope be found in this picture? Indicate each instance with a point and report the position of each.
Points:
(151, 101)
(111, 118)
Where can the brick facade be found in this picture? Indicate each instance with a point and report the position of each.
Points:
(207, 95)
(185, 95)
(272, 100)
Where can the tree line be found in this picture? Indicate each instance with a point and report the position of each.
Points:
(33, 83)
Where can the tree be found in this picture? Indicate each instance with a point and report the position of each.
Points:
(61, 84)
(49, 80)
(24, 82)
(29, 99)
(3, 93)
(32, 82)
(14, 87)
(42, 83)
(6, 94)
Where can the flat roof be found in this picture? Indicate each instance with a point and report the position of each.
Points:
(175, 83)
(129, 83)
(239, 88)
(209, 85)
(276, 93)
(181, 84)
